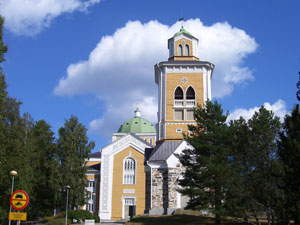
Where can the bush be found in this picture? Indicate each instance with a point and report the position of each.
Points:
(3, 216)
(59, 221)
(82, 215)
(50, 218)
(96, 218)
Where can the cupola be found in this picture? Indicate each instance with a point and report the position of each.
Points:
(183, 46)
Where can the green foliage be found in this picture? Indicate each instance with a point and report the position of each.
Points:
(82, 215)
(44, 165)
(233, 169)
(73, 149)
(254, 189)
(289, 155)
(59, 221)
(207, 164)
(3, 47)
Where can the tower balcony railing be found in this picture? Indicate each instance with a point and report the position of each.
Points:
(190, 103)
(178, 103)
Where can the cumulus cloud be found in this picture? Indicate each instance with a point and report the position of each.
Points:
(30, 17)
(120, 68)
(278, 108)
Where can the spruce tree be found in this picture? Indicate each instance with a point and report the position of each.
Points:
(289, 154)
(207, 165)
(73, 147)
(264, 130)
(45, 164)
(239, 195)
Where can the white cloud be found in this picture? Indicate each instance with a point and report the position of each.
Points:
(120, 68)
(278, 108)
(116, 114)
(30, 17)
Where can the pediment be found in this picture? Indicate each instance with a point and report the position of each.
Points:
(124, 142)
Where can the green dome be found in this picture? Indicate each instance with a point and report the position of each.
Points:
(137, 125)
(182, 31)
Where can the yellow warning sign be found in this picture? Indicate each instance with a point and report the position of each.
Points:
(17, 216)
(19, 200)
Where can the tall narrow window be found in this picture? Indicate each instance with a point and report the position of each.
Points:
(129, 171)
(186, 50)
(178, 114)
(190, 114)
(179, 50)
(190, 93)
(190, 98)
(178, 97)
(179, 93)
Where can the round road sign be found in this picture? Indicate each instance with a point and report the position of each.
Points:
(19, 200)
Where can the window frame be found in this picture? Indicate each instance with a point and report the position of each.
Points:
(180, 50)
(125, 180)
(186, 50)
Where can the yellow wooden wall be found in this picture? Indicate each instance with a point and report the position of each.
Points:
(172, 81)
(118, 185)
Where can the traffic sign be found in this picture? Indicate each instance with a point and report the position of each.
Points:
(19, 200)
(17, 216)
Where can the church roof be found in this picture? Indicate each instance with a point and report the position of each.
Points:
(183, 31)
(95, 155)
(137, 124)
(163, 150)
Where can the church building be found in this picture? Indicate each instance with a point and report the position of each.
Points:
(138, 171)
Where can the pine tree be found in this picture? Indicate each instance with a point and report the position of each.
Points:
(239, 196)
(45, 163)
(207, 164)
(74, 148)
(261, 181)
(254, 189)
(289, 154)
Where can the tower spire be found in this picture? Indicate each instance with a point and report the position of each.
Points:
(181, 20)
(137, 112)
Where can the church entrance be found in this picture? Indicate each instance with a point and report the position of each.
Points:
(129, 208)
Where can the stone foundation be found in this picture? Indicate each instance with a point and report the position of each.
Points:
(164, 186)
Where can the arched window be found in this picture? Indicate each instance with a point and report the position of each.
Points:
(129, 171)
(190, 93)
(179, 93)
(186, 50)
(179, 49)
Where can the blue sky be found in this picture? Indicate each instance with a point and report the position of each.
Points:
(94, 58)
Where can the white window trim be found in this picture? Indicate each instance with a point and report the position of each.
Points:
(135, 177)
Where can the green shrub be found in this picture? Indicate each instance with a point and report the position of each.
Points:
(3, 216)
(60, 215)
(59, 221)
(96, 218)
(82, 215)
(49, 218)
(45, 219)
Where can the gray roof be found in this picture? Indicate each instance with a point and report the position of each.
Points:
(164, 150)
(95, 155)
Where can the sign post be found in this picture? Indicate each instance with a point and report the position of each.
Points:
(18, 200)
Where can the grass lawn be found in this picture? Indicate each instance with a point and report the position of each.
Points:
(177, 220)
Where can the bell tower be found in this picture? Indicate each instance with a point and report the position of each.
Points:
(183, 82)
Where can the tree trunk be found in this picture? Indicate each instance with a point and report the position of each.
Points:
(273, 217)
(218, 219)
(269, 216)
(256, 218)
